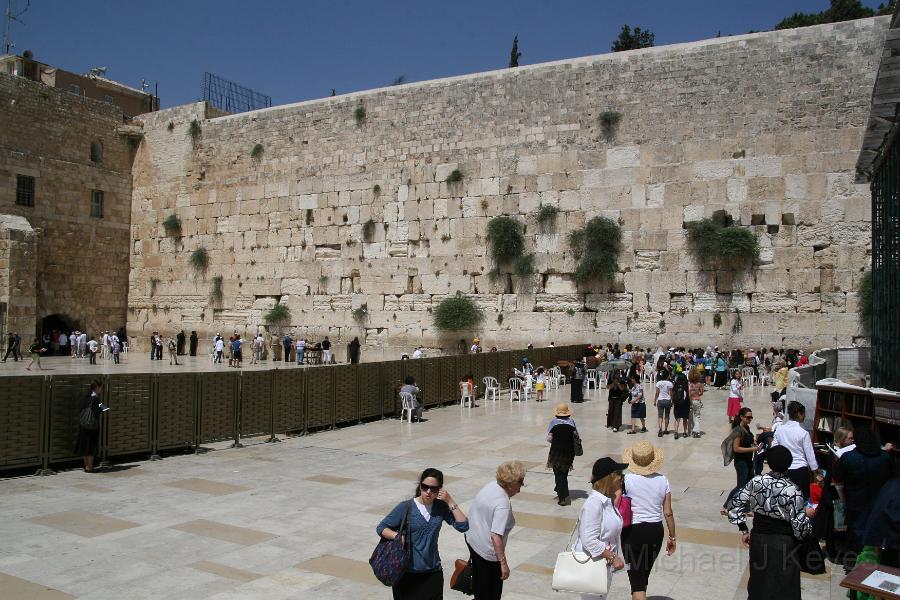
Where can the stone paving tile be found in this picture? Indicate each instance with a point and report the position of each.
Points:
(323, 494)
(14, 588)
(84, 524)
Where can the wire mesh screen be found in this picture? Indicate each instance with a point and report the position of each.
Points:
(231, 97)
(886, 269)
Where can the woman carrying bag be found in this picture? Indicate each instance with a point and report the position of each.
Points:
(424, 515)
(561, 434)
(599, 523)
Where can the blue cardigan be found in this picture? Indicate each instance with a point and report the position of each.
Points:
(423, 534)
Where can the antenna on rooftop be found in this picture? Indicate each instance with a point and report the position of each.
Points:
(9, 16)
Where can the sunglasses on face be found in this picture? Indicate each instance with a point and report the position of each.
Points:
(434, 489)
(748, 417)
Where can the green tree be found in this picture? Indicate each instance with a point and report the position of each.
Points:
(887, 10)
(840, 10)
(514, 55)
(632, 40)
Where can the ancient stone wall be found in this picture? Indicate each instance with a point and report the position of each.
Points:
(18, 277)
(766, 127)
(82, 261)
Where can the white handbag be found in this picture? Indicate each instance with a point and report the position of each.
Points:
(577, 572)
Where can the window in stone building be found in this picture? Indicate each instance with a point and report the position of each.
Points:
(24, 190)
(97, 204)
(108, 99)
(74, 89)
(96, 151)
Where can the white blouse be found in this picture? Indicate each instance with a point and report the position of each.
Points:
(599, 525)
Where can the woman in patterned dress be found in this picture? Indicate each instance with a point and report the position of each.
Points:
(780, 521)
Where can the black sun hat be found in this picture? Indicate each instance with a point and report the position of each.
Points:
(604, 466)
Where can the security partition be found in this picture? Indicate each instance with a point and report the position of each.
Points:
(151, 413)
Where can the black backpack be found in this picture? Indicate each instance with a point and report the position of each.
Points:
(88, 418)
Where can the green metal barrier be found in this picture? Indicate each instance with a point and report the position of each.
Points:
(129, 420)
(66, 393)
(22, 421)
(346, 389)
(176, 409)
(256, 403)
(370, 390)
(218, 406)
(319, 397)
(290, 400)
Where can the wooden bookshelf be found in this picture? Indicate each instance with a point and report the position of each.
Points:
(860, 407)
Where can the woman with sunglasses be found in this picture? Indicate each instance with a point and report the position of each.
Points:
(428, 510)
(743, 446)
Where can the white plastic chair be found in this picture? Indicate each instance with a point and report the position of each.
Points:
(748, 377)
(515, 389)
(409, 405)
(528, 387)
(492, 387)
(592, 378)
(765, 378)
(649, 375)
(552, 381)
(465, 391)
(557, 373)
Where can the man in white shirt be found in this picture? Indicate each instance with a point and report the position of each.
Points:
(792, 436)
(220, 348)
(301, 350)
(73, 344)
(663, 401)
(418, 352)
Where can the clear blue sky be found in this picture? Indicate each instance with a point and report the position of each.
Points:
(299, 50)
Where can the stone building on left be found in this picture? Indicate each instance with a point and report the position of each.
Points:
(67, 142)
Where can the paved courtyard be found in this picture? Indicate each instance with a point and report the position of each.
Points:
(296, 519)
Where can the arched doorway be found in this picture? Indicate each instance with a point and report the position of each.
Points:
(52, 326)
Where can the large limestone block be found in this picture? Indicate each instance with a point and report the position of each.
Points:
(623, 156)
(608, 303)
(774, 302)
(558, 302)
(560, 284)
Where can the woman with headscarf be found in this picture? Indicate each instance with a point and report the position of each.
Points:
(561, 434)
(780, 521)
(577, 391)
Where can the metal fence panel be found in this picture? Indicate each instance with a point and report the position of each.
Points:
(66, 393)
(290, 399)
(22, 420)
(416, 370)
(218, 405)
(256, 402)
(176, 410)
(491, 368)
(128, 422)
(346, 406)
(320, 397)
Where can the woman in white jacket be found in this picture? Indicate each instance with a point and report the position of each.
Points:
(599, 522)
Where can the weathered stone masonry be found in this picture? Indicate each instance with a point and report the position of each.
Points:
(766, 127)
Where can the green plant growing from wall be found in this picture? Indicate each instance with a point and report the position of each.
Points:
(609, 124)
(361, 313)
(456, 313)
(597, 246)
(547, 214)
(738, 324)
(195, 130)
(719, 242)
(524, 265)
(717, 320)
(368, 230)
(172, 225)
(570, 312)
(216, 293)
(662, 325)
(153, 283)
(866, 306)
(376, 189)
(257, 152)
(359, 115)
(199, 260)
(455, 176)
(171, 126)
(504, 233)
(278, 315)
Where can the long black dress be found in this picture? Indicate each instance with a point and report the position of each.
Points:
(577, 391)
(562, 453)
(88, 439)
(614, 412)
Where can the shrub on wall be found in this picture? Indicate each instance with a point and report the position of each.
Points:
(505, 236)
(216, 293)
(456, 313)
(172, 225)
(721, 243)
(547, 215)
(360, 314)
(257, 152)
(199, 259)
(609, 123)
(194, 129)
(277, 315)
(359, 115)
(597, 246)
(368, 230)
(455, 176)
(524, 265)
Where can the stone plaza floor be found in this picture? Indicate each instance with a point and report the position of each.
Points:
(297, 519)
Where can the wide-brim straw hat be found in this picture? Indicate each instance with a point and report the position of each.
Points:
(643, 458)
(562, 410)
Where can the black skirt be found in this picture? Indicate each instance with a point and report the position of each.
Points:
(88, 442)
(774, 570)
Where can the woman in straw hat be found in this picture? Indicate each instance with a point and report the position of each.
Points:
(561, 434)
(651, 501)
